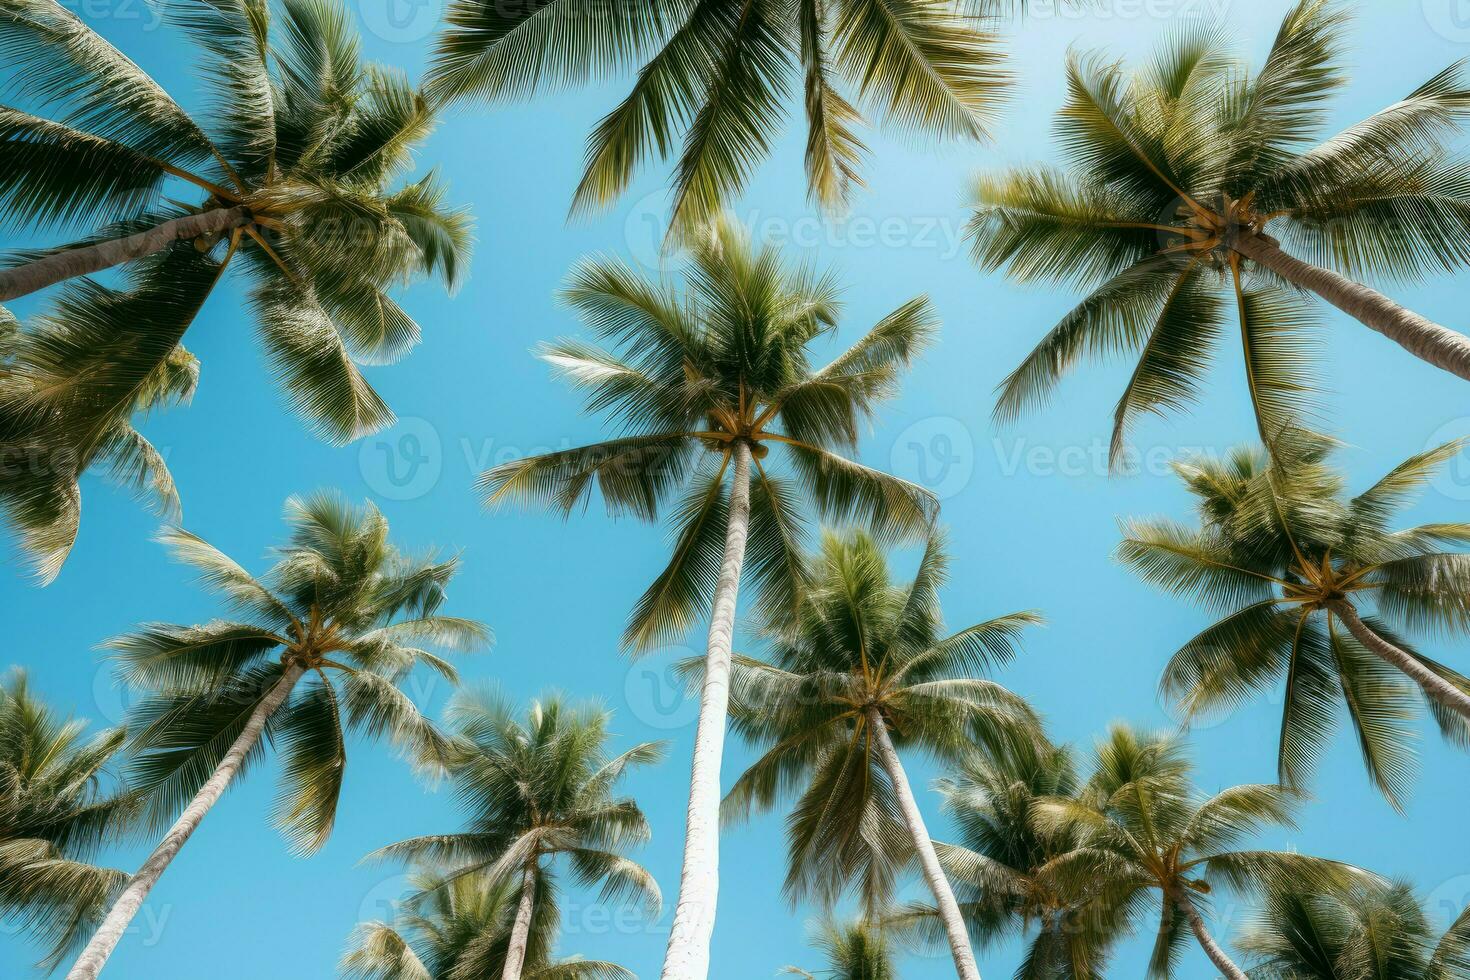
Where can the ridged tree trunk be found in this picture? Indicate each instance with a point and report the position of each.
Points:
(1420, 336)
(60, 266)
(1212, 949)
(687, 955)
(1433, 685)
(110, 932)
(520, 933)
(949, 908)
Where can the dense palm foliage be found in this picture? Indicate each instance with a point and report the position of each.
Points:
(296, 172)
(1288, 559)
(1177, 172)
(325, 640)
(999, 862)
(1142, 830)
(867, 668)
(538, 792)
(461, 930)
(57, 805)
(853, 951)
(702, 383)
(1373, 930)
(715, 78)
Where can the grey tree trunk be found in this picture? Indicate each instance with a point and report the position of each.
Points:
(1433, 685)
(520, 933)
(60, 266)
(949, 908)
(1212, 949)
(110, 932)
(687, 955)
(1420, 336)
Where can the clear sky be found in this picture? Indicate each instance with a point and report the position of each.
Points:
(1032, 514)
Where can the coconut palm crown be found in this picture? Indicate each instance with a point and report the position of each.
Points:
(865, 671)
(1197, 193)
(58, 804)
(294, 176)
(538, 792)
(858, 950)
(317, 656)
(714, 81)
(1376, 929)
(1313, 588)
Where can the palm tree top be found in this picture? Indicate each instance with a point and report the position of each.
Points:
(858, 950)
(698, 379)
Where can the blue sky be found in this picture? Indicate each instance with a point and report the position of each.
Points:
(1032, 514)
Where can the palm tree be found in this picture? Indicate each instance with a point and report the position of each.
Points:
(1181, 174)
(327, 636)
(1142, 829)
(1289, 561)
(865, 670)
(702, 385)
(998, 866)
(717, 77)
(296, 173)
(460, 930)
(55, 809)
(855, 951)
(538, 791)
(1374, 930)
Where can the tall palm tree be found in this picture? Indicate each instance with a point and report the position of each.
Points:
(1143, 830)
(461, 930)
(998, 864)
(296, 172)
(716, 77)
(1290, 562)
(327, 636)
(702, 384)
(538, 791)
(1195, 190)
(1375, 930)
(867, 670)
(856, 950)
(56, 807)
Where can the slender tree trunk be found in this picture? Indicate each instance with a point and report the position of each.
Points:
(687, 956)
(106, 938)
(1212, 949)
(949, 909)
(1433, 685)
(1420, 336)
(520, 933)
(60, 266)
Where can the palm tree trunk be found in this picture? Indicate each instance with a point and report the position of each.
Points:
(949, 909)
(1212, 949)
(1434, 686)
(1420, 336)
(687, 955)
(520, 933)
(110, 932)
(60, 266)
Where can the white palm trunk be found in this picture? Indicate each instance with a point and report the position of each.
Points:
(520, 933)
(90, 963)
(687, 955)
(1420, 336)
(949, 908)
(1212, 949)
(1433, 685)
(60, 266)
